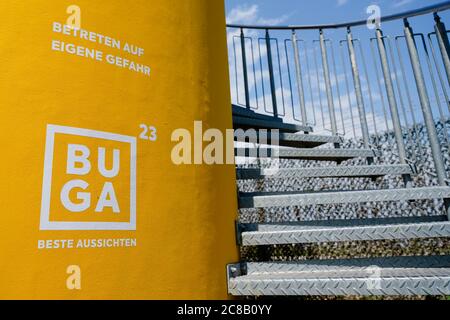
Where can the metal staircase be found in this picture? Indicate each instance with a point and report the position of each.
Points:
(423, 276)
(310, 156)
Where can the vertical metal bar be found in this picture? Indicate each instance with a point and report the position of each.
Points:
(369, 88)
(254, 74)
(235, 70)
(409, 135)
(338, 90)
(319, 87)
(439, 73)
(425, 103)
(244, 70)
(326, 73)
(288, 65)
(298, 69)
(435, 89)
(347, 86)
(405, 84)
(271, 74)
(262, 74)
(444, 46)
(308, 71)
(281, 79)
(358, 89)
(380, 90)
(399, 89)
(391, 97)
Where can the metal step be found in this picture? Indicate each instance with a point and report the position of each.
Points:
(297, 140)
(251, 113)
(287, 199)
(342, 231)
(252, 123)
(338, 155)
(325, 172)
(401, 276)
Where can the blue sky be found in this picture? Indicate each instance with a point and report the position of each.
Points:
(307, 12)
(317, 11)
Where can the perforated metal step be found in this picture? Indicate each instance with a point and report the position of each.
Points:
(252, 123)
(352, 230)
(267, 200)
(358, 277)
(308, 154)
(324, 172)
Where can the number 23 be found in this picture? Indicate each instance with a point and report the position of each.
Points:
(148, 133)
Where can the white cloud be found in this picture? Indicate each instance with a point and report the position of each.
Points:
(341, 2)
(249, 14)
(401, 3)
(242, 14)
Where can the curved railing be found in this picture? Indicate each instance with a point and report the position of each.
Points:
(360, 87)
(436, 8)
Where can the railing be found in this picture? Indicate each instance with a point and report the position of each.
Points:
(362, 87)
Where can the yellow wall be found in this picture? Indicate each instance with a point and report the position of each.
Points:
(185, 214)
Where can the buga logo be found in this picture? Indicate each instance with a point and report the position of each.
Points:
(89, 180)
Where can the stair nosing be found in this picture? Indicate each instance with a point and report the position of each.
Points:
(324, 172)
(284, 199)
(338, 234)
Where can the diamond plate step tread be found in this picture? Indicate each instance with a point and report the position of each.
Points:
(324, 172)
(340, 223)
(384, 277)
(307, 140)
(358, 273)
(421, 262)
(402, 284)
(299, 140)
(288, 199)
(250, 123)
(349, 233)
(308, 154)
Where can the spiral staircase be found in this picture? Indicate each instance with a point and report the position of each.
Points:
(307, 190)
(376, 276)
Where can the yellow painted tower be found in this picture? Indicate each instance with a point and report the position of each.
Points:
(92, 205)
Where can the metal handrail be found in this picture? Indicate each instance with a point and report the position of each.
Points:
(397, 81)
(408, 14)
